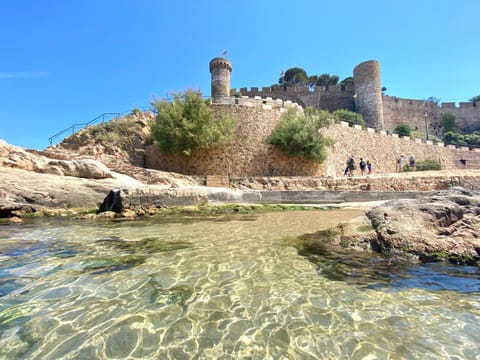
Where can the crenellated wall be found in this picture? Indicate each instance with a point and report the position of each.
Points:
(252, 156)
(383, 150)
(419, 113)
(331, 98)
(379, 111)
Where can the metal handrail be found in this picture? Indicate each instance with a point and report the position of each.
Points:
(83, 125)
(102, 117)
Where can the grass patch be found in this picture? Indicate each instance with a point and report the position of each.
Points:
(365, 228)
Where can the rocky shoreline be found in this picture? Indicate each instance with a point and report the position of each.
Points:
(441, 226)
(426, 226)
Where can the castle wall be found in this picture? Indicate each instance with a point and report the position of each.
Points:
(419, 113)
(331, 98)
(383, 150)
(251, 156)
(467, 116)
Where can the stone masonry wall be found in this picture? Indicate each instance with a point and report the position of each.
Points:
(383, 150)
(418, 113)
(251, 156)
(331, 98)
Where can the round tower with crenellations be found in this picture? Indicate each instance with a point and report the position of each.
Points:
(368, 93)
(220, 68)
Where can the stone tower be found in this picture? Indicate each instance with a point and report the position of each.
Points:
(368, 93)
(220, 68)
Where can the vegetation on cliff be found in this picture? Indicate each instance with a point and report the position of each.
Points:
(188, 123)
(297, 133)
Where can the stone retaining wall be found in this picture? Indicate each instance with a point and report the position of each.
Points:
(251, 156)
(383, 150)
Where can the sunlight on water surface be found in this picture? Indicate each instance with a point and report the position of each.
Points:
(220, 288)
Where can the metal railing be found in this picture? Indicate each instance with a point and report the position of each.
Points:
(99, 119)
(75, 127)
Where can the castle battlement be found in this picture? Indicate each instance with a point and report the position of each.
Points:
(407, 138)
(365, 97)
(265, 103)
(297, 90)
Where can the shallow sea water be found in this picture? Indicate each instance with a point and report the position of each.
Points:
(224, 287)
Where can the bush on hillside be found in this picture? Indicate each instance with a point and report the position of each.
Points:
(188, 123)
(297, 134)
(402, 130)
(116, 133)
(428, 164)
(350, 117)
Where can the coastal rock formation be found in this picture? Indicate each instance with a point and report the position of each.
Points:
(31, 182)
(18, 158)
(441, 226)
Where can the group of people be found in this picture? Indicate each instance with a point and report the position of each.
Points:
(365, 166)
(401, 163)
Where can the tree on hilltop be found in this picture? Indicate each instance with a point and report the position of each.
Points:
(327, 80)
(298, 76)
(433, 100)
(348, 81)
(294, 76)
(475, 100)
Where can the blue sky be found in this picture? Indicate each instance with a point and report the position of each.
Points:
(64, 62)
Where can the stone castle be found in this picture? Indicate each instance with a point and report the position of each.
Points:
(259, 111)
(380, 112)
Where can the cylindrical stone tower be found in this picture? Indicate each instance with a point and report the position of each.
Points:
(368, 93)
(220, 68)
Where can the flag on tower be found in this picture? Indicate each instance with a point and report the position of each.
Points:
(224, 53)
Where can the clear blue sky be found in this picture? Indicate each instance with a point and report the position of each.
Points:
(64, 62)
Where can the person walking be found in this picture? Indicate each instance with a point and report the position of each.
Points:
(400, 163)
(411, 162)
(363, 166)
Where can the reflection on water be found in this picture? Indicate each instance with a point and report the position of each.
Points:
(222, 288)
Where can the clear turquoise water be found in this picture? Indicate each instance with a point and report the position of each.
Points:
(222, 288)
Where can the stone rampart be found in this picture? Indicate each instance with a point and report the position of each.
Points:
(252, 156)
(420, 113)
(328, 98)
(383, 150)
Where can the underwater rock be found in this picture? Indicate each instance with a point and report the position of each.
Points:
(442, 226)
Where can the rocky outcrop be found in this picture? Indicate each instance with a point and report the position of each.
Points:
(18, 158)
(441, 226)
(31, 182)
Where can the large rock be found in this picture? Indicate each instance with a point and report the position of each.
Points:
(442, 226)
(18, 158)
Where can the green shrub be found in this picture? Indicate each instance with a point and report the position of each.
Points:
(188, 123)
(428, 164)
(402, 130)
(448, 122)
(297, 134)
(114, 133)
(349, 117)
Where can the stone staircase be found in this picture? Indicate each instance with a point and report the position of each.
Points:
(218, 181)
